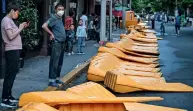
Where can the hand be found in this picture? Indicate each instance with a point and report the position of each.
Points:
(52, 37)
(27, 24)
(22, 26)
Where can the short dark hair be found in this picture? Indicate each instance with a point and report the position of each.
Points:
(13, 6)
(59, 5)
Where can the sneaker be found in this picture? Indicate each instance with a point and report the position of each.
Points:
(7, 103)
(78, 53)
(69, 54)
(53, 84)
(12, 99)
(82, 53)
(59, 82)
(72, 53)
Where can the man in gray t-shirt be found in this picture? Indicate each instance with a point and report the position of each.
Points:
(54, 26)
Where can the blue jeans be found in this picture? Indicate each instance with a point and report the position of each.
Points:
(56, 60)
(80, 44)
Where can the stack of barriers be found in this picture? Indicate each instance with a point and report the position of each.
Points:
(128, 65)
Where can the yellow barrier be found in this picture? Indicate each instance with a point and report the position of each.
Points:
(114, 45)
(124, 84)
(145, 107)
(98, 67)
(129, 45)
(122, 55)
(37, 107)
(91, 89)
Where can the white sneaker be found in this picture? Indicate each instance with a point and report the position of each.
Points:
(72, 53)
(69, 54)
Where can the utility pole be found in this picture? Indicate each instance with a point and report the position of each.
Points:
(124, 5)
(103, 21)
(176, 11)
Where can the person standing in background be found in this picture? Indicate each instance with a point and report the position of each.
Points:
(81, 36)
(70, 37)
(57, 37)
(84, 19)
(13, 45)
(68, 22)
(153, 21)
(178, 24)
(91, 33)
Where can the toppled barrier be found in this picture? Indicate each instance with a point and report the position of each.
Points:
(104, 62)
(124, 84)
(74, 99)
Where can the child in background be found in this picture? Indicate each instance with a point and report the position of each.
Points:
(70, 38)
(81, 35)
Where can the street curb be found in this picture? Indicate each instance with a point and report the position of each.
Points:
(71, 75)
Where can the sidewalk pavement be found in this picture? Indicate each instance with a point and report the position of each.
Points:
(34, 75)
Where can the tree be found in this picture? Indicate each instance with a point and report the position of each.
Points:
(30, 36)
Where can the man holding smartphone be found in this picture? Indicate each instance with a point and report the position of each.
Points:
(13, 46)
(58, 37)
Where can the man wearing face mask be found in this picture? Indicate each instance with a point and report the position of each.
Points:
(57, 36)
(13, 46)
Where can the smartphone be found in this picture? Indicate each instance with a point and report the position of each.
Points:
(28, 21)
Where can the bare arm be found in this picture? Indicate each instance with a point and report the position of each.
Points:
(13, 34)
(45, 27)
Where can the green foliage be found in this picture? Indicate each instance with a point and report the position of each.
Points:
(30, 35)
(159, 5)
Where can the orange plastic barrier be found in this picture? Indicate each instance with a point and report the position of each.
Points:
(149, 31)
(120, 54)
(112, 45)
(145, 107)
(37, 107)
(93, 107)
(130, 19)
(124, 84)
(104, 62)
(91, 89)
(128, 44)
(143, 39)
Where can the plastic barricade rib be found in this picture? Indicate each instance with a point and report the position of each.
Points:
(125, 84)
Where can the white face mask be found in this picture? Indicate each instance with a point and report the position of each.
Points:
(60, 13)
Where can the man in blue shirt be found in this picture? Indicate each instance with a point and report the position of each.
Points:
(55, 28)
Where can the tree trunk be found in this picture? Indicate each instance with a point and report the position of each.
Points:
(44, 50)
